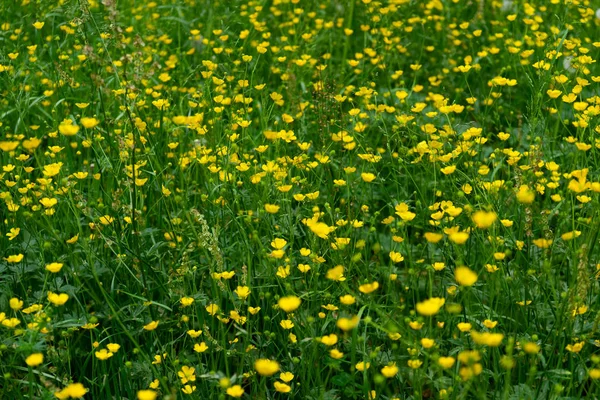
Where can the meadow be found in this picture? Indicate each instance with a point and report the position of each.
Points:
(285, 199)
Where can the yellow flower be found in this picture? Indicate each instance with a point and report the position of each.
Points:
(525, 195)
(38, 25)
(51, 170)
(89, 123)
(403, 213)
(68, 128)
(368, 287)
(396, 257)
(146, 394)
(266, 367)
(286, 377)
(389, 371)
(361, 366)
(448, 170)
(58, 299)
(484, 219)
(34, 359)
(487, 338)
(235, 391)
(465, 276)
(188, 389)
(347, 324)
(531, 348)
(336, 273)
(187, 374)
(103, 354)
(201, 347)
(336, 354)
(431, 306)
(368, 177)
(15, 304)
(73, 391)
(14, 258)
(13, 233)
(542, 243)
(446, 362)
(289, 303)
(427, 343)
(243, 292)
(151, 326)
(464, 326)
(458, 237)
(282, 387)
(575, 348)
(186, 301)
(271, 208)
(414, 364)
(320, 229)
(54, 267)
(212, 309)
(433, 237)
(490, 324)
(329, 340)
(286, 324)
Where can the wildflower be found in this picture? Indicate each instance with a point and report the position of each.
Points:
(243, 292)
(103, 354)
(575, 348)
(272, 208)
(14, 258)
(484, 219)
(361, 366)
(531, 348)
(72, 391)
(13, 233)
(235, 391)
(347, 324)
(89, 123)
(266, 367)
(187, 374)
(146, 394)
(431, 306)
(446, 362)
(200, 347)
(396, 257)
(329, 340)
(487, 338)
(34, 359)
(289, 303)
(188, 389)
(54, 267)
(320, 229)
(286, 377)
(368, 287)
(403, 213)
(286, 324)
(58, 299)
(465, 276)
(389, 371)
(464, 326)
(15, 304)
(336, 273)
(212, 309)
(186, 301)
(525, 195)
(151, 326)
(282, 387)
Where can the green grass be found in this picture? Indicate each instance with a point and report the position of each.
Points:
(191, 163)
